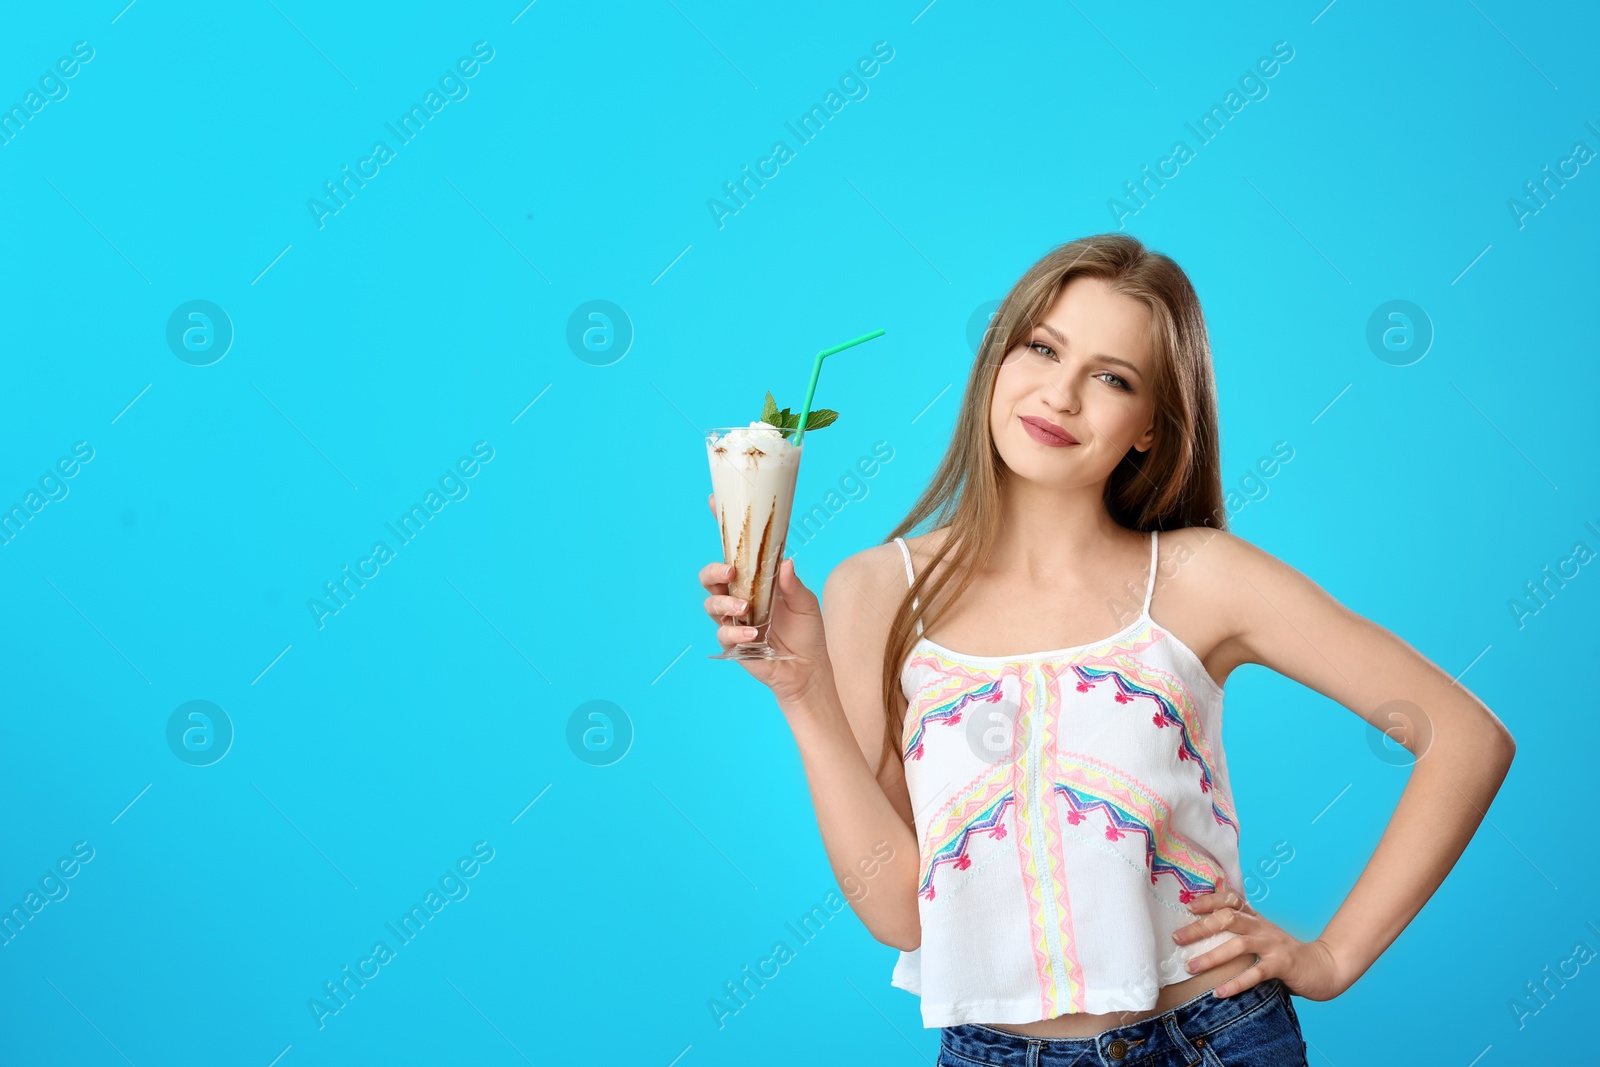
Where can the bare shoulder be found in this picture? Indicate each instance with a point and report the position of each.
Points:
(1218, 559)
(1208, 557)
(859, 599)
(924, 547)
(878, 574)
(1195, 597)
(1220, 581)
(1285, 621)
(864, 579)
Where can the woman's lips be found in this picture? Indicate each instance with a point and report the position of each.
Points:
(1047, 433)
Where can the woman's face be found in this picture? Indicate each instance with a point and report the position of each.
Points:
(1086, 371)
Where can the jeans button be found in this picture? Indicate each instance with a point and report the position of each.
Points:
(1117, 1049)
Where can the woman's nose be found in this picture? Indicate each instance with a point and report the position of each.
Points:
(1064, 394)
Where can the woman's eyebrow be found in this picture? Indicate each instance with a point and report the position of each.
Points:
(1059, 336)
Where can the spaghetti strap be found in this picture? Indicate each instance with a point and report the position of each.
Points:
(1150, 588)
(910, 578)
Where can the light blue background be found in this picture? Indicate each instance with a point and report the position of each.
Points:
(427, 315)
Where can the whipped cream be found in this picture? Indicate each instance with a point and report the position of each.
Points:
(747, 446)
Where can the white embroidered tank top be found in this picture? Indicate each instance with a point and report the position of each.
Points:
(1068, 804)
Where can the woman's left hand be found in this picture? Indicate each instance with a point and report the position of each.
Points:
(1306, 967)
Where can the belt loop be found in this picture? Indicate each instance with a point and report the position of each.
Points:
(1175, 1032)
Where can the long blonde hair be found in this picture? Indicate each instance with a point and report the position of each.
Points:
(1176, 483)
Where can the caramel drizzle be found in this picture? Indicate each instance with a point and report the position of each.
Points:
(762, 611)
(748, 581)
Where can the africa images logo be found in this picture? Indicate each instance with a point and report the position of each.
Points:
(853, 86)
(453, 86)
(453, 486)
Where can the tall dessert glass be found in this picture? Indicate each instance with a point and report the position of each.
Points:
(753, 472)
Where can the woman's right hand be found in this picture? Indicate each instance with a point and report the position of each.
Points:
(796, 629)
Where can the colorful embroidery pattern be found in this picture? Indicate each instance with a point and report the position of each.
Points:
(1130, 807)
(948, 713)
(1173, 707)
(982, 811)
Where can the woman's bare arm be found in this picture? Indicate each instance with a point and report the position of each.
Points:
(1280, 619)
(838, 726)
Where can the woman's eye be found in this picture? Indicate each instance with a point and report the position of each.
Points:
(1047, 352)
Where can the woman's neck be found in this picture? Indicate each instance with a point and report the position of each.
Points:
(1045, 532)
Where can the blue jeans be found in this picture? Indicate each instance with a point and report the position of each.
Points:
(1255, 1028)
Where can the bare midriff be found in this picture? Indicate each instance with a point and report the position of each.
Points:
(1083, 1025)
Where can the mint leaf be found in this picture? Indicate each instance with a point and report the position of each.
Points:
(787, 421)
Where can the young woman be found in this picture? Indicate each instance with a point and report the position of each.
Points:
(1064, 869)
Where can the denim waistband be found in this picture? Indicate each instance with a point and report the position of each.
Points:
(1161, 1035)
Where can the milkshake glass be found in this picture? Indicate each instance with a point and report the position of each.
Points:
(753, 472)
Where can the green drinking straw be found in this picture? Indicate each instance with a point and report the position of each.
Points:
(816, 370)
